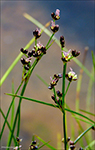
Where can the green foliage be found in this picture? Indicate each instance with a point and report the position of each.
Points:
(58, 97)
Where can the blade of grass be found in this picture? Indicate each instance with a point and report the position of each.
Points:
(12, 114)
(82, 134)
(88, 100)
(78, 89)
(45, 142)
(15, 62)
(34, 100)
(9, 110)
(79, 82)
(8, 125)
(79, 114)
(42, 80)
(90, 145)
(49, 104)
(82, 120)
(87, 112)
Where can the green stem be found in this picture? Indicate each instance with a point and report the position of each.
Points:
(15, 62)
(67, 87)
(50, 40)
(81, 135)
(9, 111)
(8, 125)
(63, 107)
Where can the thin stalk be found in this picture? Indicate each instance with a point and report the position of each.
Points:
(81, 135)
(67, 87)
(63, 106)
(8, 125)
(15, 62)
(12, 114)
(9, 110)
(50, 40)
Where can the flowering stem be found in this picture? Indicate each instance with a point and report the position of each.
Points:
(67, 88)
(36, 44)
(50, 40)
(63, 106)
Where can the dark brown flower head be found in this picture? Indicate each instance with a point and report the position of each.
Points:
(39, 50)
(37, 33)
(31, 53)
(24, 51)
(72, 147)
(62, 41)
(55, 15)
(25, 61)
(54, 27)
(59, 94)
(54, 80)
(75, 53)
(68, 139)
(93, 128)
(18, 139)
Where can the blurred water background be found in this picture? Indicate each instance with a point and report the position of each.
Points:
(77, 26)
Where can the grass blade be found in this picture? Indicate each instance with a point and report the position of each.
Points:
(12, 114)
(87, 112)
(52, 148)
(79, 114)
(81, 135)
(34, 100)
(7, 125)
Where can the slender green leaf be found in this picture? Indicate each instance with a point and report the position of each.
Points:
(69, 110)
(42, 80)
(82, 134)
(7, 125)
(52, 148)
(82, 120)
(34, 100)
(87, 112)
(12, 114)
(90, 145)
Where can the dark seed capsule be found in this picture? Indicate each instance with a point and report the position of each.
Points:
(59, 94)
(75, 53)
(55, 28)
(34, 142)
(23, 61)
(62, 41)
(24, 51)
(72, 147)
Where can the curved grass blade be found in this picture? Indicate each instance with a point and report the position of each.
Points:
(81, 135)
(87, 112)
(82, 120)
(69, 110)
(52, 148)
(12, 114)
(8, 125)
(90, 145)
(34, 100)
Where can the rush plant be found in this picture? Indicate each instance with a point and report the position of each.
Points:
(29, 60)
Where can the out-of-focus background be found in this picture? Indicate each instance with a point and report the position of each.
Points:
(77, 26)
